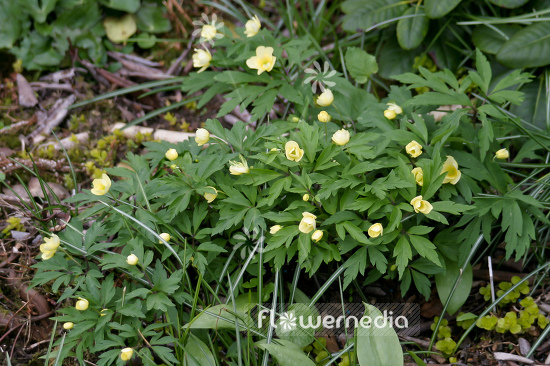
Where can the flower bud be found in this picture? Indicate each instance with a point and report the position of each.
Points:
(68, 325)
(389, 114)
(306, 197)
(126, 354)
(171, 154)
(82, 304)
(317, 235)
(132, 260)
(165, 236)
(502, 154)
(323, 116)
(274, 229)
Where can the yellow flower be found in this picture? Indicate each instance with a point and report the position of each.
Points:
(171, 154)
(414, 149)
(308, 223)
(293, 151)
(274, 229)
(326, 98)
(132, 259)
(341, 137)
(389, 114)
(306, 197)
(202, 136)
(208, 32)
(49, 247)
(252, 27)
(102, 185)
(502, 154)
(420, 205)
(126, 354)
(263, 61)
(450, 166)
(103, 312)
(201, 58)
(323, 116)
(394, 107)
(237, 168)
(375, 230)
(68, 325)
(418, 176)
(82, 304)
(211, 196)
(317, 235)
(165, 236)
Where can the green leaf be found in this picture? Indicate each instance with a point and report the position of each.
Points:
(361, 14)
(360, 64)
(438, 8)
(205, 320)
(530, 47)
(150, 18)
(300, 336)
(196, 353)
(130, 6)
(490, 39)
(425, 248)
(11, 18)
(445, 282)
(378, 346)
(39, 10)
(286, 353)
(412, 31)
(450, 207)
(355, 232)
(509, 4)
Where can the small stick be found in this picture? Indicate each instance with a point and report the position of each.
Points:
(490, 263)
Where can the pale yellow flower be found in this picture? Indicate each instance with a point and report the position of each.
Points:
(208, 32)
(68, 325)
(237, 168)
(414, 149)
(308, 223)
(252, 27)
(211, 196)
(202, 136)
(326, 98)
(274, 229)
(82, 304)
(323, 116)
(450, 166)
(103, 312)
(341, 137)
(394, 107)
(102, 185)
(375, 230)
(421, 205)
(418, 176)
(49, 247)
(171, 154)
(263, 61)
(305, 197)
(293, 151)
(201, 58)
(389, 114)
(317, 235)
(166, 237)
(502, 154)
(126, 354)
(132, 259)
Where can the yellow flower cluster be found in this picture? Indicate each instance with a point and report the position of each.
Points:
(49, 247)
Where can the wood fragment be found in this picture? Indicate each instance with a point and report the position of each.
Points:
(41, 85)
(26, 94)
(165, 135)
(141, 60)
(524, 346)
(502, 356)
(57, 76)
(92, 69)
(53, 118)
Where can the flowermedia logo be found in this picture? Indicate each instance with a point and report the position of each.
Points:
(332, 319)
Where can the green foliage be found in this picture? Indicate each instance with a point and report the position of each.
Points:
(59, 24)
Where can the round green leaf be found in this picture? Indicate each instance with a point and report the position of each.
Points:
(119, 29)
(150, 18)
(438, 8)
(146, 40)
(530, 47)
(360, 64)
(130, 6)
(411, 31)
(490, 40)
(510, 4)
